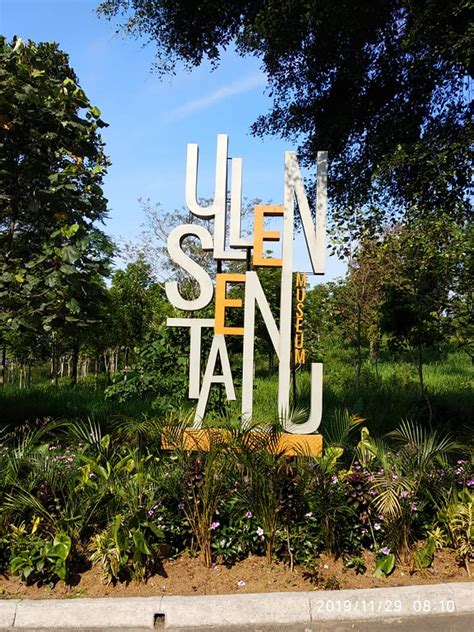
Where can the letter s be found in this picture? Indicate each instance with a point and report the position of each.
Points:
(177, 254)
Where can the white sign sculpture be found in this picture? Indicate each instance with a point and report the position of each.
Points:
(286, 349)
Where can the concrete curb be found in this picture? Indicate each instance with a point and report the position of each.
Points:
(240, 610)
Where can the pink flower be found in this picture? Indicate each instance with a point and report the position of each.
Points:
(248, 514)
(309, 514)
(240, 583)
(385, 550)
(260, 531)
(377, 527)
(214, 525)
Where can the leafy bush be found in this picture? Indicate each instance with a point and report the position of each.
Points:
(36, 558)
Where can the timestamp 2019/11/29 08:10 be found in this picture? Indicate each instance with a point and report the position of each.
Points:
(384, 606)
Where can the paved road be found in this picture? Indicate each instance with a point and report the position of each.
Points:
(440, 623)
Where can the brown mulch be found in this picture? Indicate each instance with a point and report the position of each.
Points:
(187, 576)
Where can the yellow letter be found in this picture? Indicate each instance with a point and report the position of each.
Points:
(299, 341)
(301, 279)
(222, 302)
(260, 235)
(300, 356)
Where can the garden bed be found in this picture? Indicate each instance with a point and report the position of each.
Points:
(187, 576)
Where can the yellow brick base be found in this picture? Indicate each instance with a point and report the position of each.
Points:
(289, 444)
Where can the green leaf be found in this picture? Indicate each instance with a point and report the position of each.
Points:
(95, 111)
(140, 543)
(70, 254)
(424, 557)
(62, 545)
(69, 231)
(385, 565)
(73, 306)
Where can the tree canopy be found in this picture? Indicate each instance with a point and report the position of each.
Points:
(52, 254)
(381, 85)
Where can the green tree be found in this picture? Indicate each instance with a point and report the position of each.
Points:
(417, 294)
(52, 255)
(380, 85)
(138, 304)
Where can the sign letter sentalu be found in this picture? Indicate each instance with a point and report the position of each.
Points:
(227, 243)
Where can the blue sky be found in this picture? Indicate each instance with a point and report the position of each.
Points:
(152, 120)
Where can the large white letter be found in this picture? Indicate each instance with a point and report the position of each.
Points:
(194, 269)
(218, 347)
(254, 294)
(218, 208)
(195, 325)
(316, 247)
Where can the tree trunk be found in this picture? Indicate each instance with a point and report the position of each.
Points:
(3, 371)
(28, 373)
(358, 350)
(417, 356)
(74, 362)
(96, 370)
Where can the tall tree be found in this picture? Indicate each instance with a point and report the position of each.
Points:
(53, 257)
(138, 304)
(380, 85)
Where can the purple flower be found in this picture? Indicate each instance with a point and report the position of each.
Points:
(334, 480)
(248, 514)
(150, 512)
(381, 517)
(413, 507)
(240, 583)
(214, 525)
(309, 514)
(181, 506)
(370, 478)
(260, 531)
(470, 482)
(377, 527)
(385, 550)
(404, 494)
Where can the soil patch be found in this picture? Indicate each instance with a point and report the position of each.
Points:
(187, 576)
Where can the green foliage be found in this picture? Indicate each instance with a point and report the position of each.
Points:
(128, 549)
(238, 538)
(200, 481)
(117, 495)
(52, 164)
(423, 558)
(458, 519)
(385, 565)
(38, 559)
(160, 370)
(379, 85)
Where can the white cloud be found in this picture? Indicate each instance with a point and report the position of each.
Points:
(237, 87)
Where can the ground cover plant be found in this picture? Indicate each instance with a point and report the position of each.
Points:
(72, 495)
